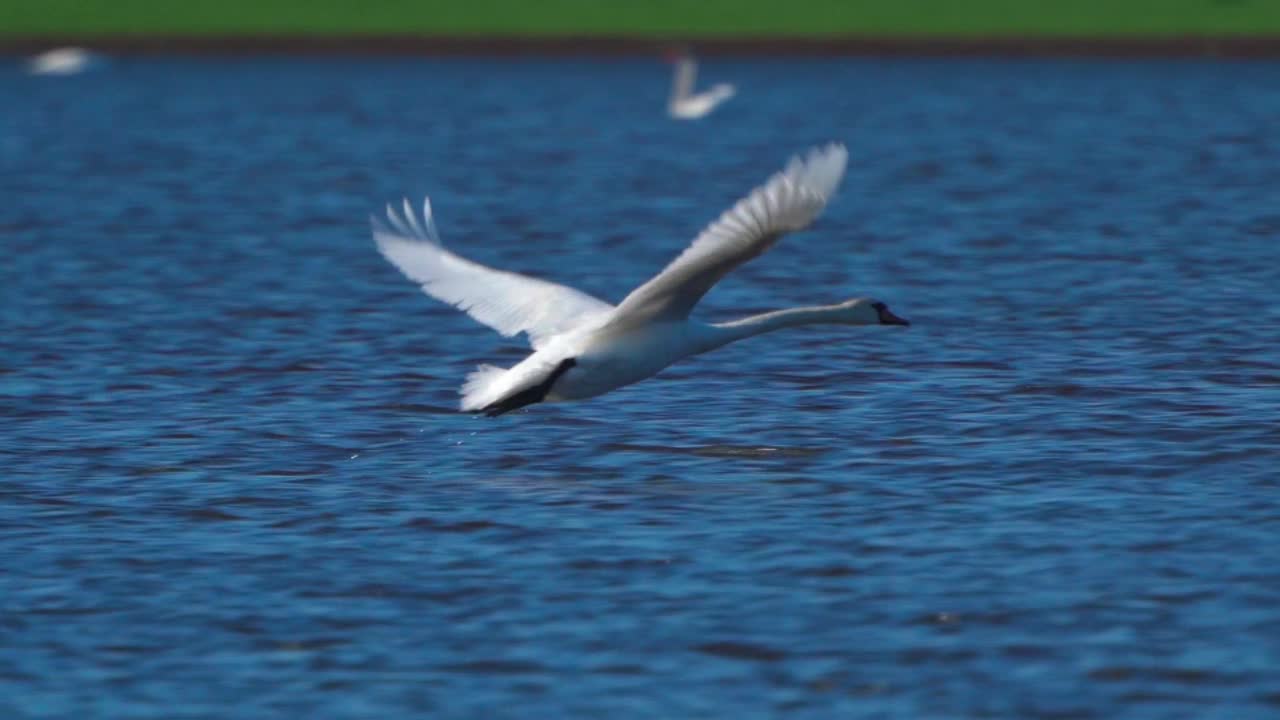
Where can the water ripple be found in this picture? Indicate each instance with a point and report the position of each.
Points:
(235, 476)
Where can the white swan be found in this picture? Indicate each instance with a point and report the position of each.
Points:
(60, 61)
(684, 104)
(585, 347)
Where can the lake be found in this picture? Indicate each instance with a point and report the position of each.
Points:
(236, 484)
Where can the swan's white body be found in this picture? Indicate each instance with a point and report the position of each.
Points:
(62, 61)
(585, 347)
(684, 103)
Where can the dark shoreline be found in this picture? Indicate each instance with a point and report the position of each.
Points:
(1262, 46)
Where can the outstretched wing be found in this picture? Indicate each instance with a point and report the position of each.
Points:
(507, 302)
(789, 201)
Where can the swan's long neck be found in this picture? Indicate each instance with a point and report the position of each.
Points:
(682, 82)
(724, 333)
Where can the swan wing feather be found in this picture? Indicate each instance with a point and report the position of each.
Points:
(505, 301)
(788, 201)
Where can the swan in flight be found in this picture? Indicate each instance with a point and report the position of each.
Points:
(582, 346)
(684, 103)
(60, 61)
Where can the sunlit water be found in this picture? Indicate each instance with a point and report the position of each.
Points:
(235, 486)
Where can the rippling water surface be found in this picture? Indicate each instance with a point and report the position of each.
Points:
(235, 484)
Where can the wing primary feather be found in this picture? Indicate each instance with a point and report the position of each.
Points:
(508, 302)
(788, 201)
(396, 223)
(429, 219)
(411, 218)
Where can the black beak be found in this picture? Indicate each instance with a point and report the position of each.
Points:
(888, 318)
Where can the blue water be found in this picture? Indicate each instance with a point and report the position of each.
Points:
(235, 484)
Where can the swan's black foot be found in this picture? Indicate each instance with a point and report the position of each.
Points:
(515, 402)
(535, 394)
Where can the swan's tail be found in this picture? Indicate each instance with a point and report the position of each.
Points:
(478, 389)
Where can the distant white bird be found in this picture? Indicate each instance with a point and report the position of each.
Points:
(583, 346)
(62, 61)
(686, 104)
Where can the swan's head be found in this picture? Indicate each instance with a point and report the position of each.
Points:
(869, 311)
(676, 53)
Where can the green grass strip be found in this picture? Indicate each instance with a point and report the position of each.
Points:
(644, 18)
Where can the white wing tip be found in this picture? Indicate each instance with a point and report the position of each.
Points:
(793, 198)
(820, 170)
(405, 224)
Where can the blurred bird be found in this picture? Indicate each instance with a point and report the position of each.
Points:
(585, 347)
(61, 61)
(686, 104)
